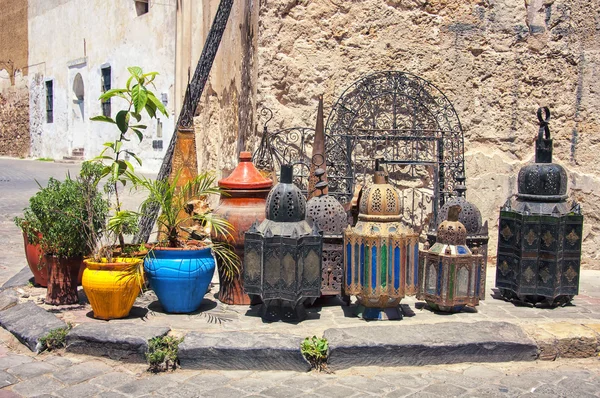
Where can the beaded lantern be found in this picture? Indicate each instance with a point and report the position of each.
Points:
(539, 235)
(449, 274)
(470, 217)
(380, 253)
(330, 217)
(282, 255)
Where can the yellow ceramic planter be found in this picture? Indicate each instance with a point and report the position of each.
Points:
(113, 287)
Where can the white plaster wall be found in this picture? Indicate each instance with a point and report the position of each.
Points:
(114, 35)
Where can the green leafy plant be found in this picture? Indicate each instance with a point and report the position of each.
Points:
(174, 203)
(139, 100)
(162, 353)
(315, 350)
(55, 339)
(59, 212)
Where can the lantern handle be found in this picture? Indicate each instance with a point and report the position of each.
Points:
(544, 119)
(268, 113)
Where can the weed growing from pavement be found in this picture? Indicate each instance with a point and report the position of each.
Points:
(162, 353)
(315, 351)
(55, 339)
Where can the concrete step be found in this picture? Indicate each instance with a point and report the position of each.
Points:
(126, 342)
(242, 351)
(428, 344)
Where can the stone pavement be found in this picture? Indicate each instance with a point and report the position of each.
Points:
(69, 375)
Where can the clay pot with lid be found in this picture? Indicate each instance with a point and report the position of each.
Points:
(242, 204)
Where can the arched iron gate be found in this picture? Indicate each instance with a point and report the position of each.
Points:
(399, 118)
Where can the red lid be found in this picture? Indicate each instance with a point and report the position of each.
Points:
(245, 176)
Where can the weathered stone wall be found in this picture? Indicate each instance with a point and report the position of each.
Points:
(225, 122)
(496, 60)
(14, 115)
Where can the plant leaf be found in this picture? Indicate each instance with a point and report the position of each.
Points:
(135, 71)
(103, 118)
(122, 120)
(139, 97)
(111, 93)
(159, 105)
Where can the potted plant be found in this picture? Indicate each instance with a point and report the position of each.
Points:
(178, 267)
(114, 275)
(29, 225)
(62, 221)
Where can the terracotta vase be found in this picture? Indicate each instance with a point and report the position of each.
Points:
(34, 256)
(242, 204)
(62, 279)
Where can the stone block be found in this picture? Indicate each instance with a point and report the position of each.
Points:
(28, 322)
(441, 343)
(572, 340)
(122, 341)
(8, 299)
(22, 278)
(242, 351)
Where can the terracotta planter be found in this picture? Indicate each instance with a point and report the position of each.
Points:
(242, 205)
(62, 279)
(112, 287)
(34, 256)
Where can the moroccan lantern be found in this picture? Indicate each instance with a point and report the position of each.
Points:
(242, 204)
(330, 217)
(380, 253)
(282, 255)
(470, 217)
(449, 274)
(539, 235)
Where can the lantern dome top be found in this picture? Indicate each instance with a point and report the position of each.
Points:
(452, 231)
(543, 181)
(379, 201)
(285, 202)
(469, 216)
(326, 212)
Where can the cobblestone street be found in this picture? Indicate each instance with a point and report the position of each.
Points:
(63, 374)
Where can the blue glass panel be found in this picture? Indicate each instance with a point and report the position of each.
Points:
(373, 267)
(362, 264)
(349, 264)
(397, 268)
(356, 263)
(461, 250)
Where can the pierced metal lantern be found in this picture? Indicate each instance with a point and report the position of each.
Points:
(380, 253)
(330, 217)
(539, 235)
(449, 273)
(282, 255)
(470, 217)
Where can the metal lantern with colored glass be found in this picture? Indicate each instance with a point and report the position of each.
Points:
(470, 217)
(330, 217)
(380, 253)
(539, 234)
(449, 274)
(282, 255)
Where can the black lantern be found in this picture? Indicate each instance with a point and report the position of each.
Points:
(470, 217)
(282, 255)
(539, 236)
(330, 217)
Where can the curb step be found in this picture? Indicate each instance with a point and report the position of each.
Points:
(28, 323)
(242, 351)
(126, 342)
(429, 344)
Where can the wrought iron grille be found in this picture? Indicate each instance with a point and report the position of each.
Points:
(399, 118)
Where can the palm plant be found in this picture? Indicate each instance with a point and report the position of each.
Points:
(175, 215)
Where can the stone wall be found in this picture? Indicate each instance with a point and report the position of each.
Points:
(14, 115)
(496, 60)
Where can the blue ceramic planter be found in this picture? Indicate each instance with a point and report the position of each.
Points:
(179, 277)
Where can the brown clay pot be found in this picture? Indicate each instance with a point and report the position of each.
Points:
(33, 254)
(242, 204)
(62, 279)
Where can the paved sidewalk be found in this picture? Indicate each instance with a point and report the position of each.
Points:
(23, 374)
